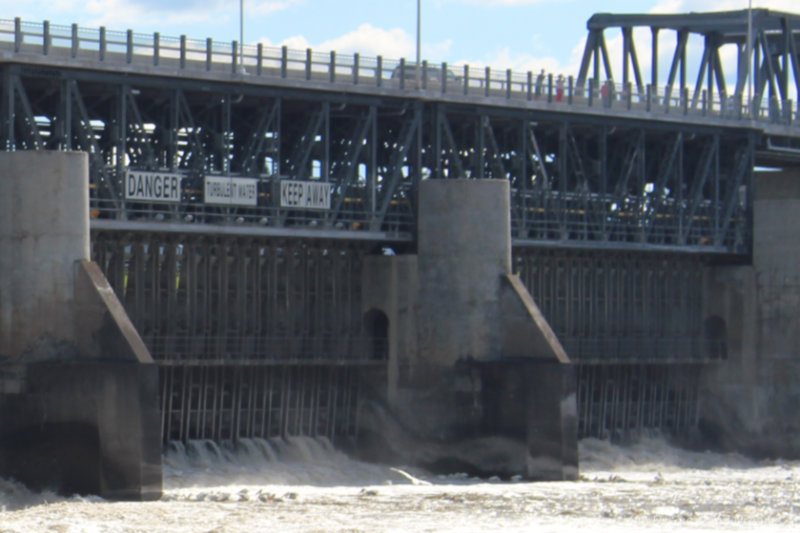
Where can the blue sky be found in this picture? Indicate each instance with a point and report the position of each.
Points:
(517, 34)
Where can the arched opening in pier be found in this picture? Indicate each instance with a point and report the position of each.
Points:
(716, 332)
(376, 329)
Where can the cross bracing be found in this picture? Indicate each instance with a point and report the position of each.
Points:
(768, 62)
(575, 179)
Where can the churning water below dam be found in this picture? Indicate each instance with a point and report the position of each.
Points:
(301, 484)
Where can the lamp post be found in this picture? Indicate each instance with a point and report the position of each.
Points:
(241, 36)
(419, 41)
(749, 54)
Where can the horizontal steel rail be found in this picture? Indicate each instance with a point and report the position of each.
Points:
(233, 349)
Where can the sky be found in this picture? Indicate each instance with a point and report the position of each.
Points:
(518, 34)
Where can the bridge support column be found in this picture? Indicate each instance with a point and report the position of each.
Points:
(751, 396)
(477, 381)
(78, 390)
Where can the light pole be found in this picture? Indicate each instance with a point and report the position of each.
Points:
(749, 53)
(419, 40)
(241, 36)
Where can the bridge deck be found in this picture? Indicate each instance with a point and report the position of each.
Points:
(74, 47)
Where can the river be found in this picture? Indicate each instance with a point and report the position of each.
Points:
(305, 485)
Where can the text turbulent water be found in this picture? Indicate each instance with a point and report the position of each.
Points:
(301, 484)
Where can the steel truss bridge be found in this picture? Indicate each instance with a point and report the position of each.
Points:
(236, 190)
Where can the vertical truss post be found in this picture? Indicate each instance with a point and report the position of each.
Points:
(654, 58)
(563, 182)
(8, 109)
(372, 171)
(121, 141)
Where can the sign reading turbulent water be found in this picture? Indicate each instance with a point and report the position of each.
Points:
(152, 186)
(224, 190)
(305, 194)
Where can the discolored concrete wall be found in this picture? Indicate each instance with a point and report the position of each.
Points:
(750, 399)
(79, 390)
(476, 380)
(44, 230)
(464, 246)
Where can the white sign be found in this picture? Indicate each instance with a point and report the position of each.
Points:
(152, 186)
(306, 194)
(224, 190)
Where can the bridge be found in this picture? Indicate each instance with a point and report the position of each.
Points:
(239, 193)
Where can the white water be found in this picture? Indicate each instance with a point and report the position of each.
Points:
(306, 485)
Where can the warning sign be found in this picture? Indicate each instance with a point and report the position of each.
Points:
(225, 190)
(306, 194)
(152, 186)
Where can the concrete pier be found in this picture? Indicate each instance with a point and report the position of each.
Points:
(44, 230)
(79, 396)
(750, 398)
(483, 385)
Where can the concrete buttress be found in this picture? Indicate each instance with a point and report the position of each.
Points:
(79, 394)
(476, 380)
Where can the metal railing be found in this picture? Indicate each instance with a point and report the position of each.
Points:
(183, 349)
(607, 218)
(643, 349)
(354, 213)
(254, 62)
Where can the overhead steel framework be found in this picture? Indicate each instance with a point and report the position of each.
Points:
(576, 179)
(770, 59)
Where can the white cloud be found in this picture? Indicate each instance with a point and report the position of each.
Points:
(118, 14)
(494, 3)
(504, 58)
(370, 41)
(265, 7)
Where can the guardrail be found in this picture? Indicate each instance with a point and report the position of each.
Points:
(350, 210)
(643, 349)
(259, 61)
(607, 218)
(186, 349)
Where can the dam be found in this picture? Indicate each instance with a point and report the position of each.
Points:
(470, 273)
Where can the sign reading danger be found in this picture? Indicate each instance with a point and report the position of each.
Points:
(152, 186)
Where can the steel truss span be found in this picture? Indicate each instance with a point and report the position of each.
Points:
(184, 155)
(769, 61)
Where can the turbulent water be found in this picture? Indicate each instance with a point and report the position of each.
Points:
(306, 485)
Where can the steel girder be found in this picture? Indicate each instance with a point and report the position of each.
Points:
(772, 56)
(575, 179)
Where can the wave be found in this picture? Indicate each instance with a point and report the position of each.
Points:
(269, 468)
(275, 461)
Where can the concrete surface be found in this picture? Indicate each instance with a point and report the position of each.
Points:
(476, 380)
(749, 401)
(79, 408)
(44, 229)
